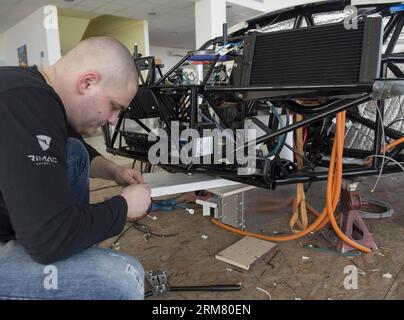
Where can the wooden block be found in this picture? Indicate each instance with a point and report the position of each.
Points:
(165, 183)
(231, 190)
(247, 252)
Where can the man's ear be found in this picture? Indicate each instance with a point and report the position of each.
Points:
(88, 80)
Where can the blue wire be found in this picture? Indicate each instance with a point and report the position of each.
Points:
(282, 140)
(398, 8)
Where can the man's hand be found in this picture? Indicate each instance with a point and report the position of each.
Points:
(126, 177)
(106, 169)
(138, 199)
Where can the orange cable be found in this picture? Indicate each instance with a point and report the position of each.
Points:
(330, 208)
(392, 145)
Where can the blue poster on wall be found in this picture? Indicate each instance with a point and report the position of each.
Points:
(22, 56)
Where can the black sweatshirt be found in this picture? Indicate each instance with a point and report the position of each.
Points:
(37, 205)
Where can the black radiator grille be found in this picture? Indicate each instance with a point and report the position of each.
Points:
(308, 56)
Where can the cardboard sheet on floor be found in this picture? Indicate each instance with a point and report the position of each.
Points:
(247, 252)
(165, 183)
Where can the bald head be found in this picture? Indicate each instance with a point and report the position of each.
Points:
(95, 80)
(105, 55)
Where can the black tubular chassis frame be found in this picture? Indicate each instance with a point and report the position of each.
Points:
(389, 61)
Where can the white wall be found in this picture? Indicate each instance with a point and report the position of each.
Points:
(146, 38)
(209, 18)
(168, 56)
(2, 51)
(40, 33)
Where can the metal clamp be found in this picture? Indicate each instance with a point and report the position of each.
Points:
(158, 280)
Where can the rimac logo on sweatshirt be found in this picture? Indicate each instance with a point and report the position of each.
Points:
(44, 143)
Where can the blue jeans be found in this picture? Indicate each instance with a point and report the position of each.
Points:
(78, 166)
(95, 274)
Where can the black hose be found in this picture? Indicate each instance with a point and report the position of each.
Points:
(223, 287)
(226, 287)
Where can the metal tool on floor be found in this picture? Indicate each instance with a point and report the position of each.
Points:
(159, 282)
(352, 221)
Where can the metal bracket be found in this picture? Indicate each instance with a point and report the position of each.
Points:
(158, 280)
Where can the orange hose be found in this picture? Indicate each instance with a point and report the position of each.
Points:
(393, 144)
(387, 148)
(330, 208)
(326, 220)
